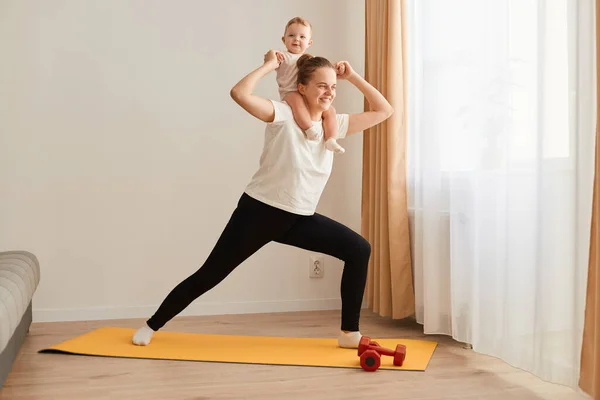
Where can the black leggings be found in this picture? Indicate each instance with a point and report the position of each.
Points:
(253, 225)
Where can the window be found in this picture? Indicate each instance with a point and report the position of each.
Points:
(490, 82)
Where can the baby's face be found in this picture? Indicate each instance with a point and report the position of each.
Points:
(297, 38)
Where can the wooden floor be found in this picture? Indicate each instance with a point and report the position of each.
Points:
(453, 373)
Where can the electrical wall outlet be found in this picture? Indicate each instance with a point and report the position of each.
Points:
(316, 267)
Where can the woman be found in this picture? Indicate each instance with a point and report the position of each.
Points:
(279, 203)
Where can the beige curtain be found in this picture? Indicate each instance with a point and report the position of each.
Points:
(384, 204)
(590, 350)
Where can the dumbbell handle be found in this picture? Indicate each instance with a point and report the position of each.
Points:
(382, 350)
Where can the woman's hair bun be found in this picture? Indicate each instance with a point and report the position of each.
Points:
(303, 58)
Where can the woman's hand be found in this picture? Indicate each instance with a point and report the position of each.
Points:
(343, 70)
(271, 59)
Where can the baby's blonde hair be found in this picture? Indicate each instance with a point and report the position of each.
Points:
(297, 20)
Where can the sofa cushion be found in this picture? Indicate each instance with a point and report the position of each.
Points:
(19, 278)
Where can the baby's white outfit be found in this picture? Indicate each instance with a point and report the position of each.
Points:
(287, 74)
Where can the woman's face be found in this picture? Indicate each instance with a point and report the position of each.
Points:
(320, 90)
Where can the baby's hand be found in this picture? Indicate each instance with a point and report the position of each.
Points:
(280, 56)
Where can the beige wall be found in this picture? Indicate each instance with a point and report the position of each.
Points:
(122, 155)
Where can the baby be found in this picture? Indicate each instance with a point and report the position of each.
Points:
(297, 38)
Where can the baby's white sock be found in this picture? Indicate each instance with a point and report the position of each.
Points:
(313, 132)
(349, 340)
(332, 144)
(143, 336)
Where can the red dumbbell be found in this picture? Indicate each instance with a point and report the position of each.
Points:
(370, 353)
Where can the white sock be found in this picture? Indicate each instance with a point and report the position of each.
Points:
(332, 144)
(143, 336)
(313, 132)
(349, 340)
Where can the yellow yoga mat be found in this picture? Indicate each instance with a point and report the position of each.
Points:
(116, 342)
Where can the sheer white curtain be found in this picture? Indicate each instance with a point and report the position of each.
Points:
(501, 129)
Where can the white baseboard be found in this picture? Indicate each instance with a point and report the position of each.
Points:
(102, 313)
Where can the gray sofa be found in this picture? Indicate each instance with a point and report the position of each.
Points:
(19, 279)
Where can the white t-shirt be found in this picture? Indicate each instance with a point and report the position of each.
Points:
(287, 73)
(293, 170)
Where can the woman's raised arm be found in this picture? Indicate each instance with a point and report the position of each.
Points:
(381, 109)
(243, 92)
